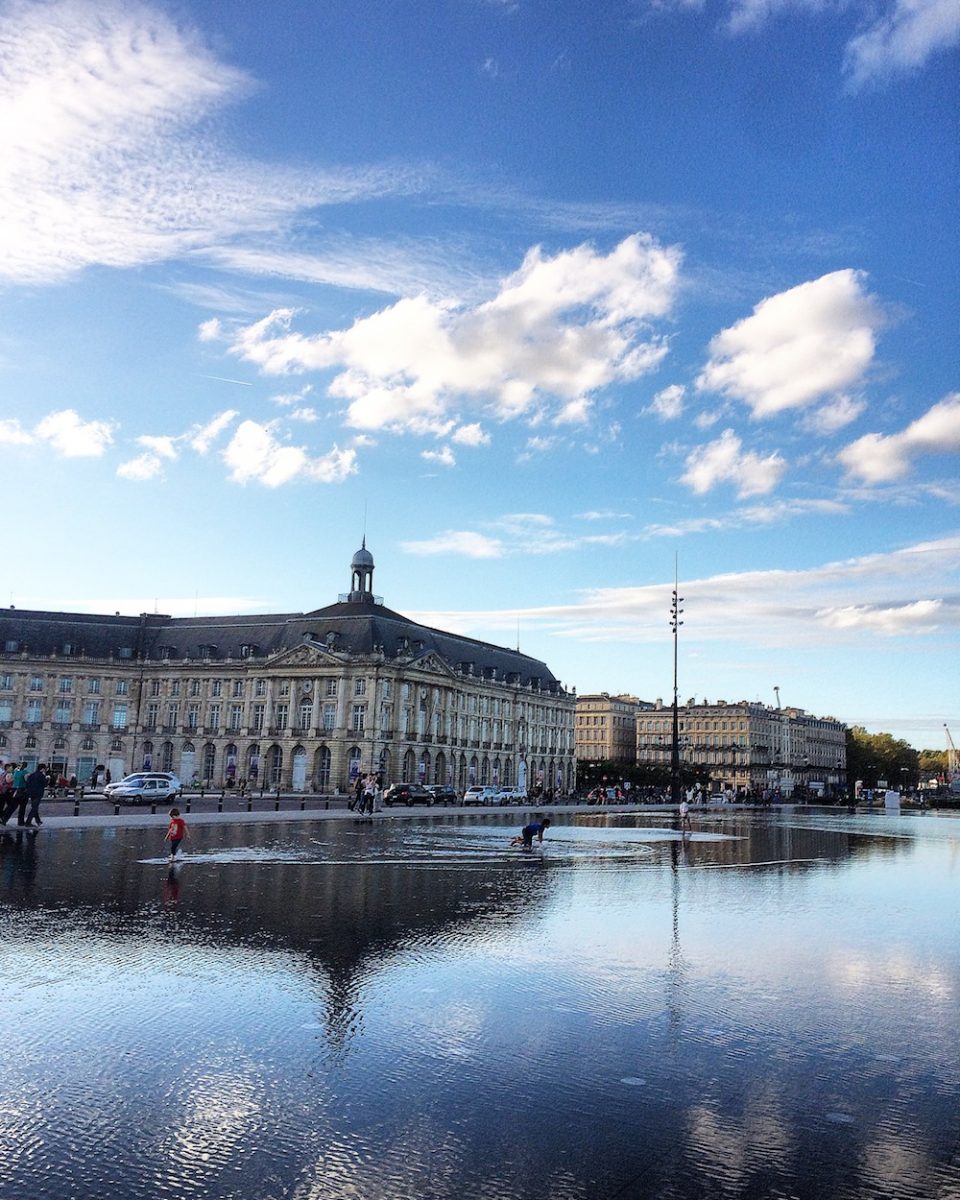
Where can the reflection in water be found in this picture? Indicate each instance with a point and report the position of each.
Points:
(412, 1008)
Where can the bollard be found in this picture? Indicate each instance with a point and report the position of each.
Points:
(220, 803)
(303, 803)
(188, 805)
(76, 804)
(276, 803)
(153, 809)
(250, 803)
(326, 806)
(116, 808)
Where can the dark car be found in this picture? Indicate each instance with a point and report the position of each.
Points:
(442, 793)
(408, 794)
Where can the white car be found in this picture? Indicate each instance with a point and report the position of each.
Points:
(144, 787)
(480, 795)
(511, 795)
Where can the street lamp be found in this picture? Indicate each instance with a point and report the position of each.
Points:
(675, 623)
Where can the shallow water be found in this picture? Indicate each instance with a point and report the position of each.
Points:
(414, 1008)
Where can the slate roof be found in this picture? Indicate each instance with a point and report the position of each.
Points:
(359, 625)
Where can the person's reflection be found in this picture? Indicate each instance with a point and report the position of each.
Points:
(171, 887)
(18, 858)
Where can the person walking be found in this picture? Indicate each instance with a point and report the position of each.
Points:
(7, 795)
(35, 786)
(176, 832)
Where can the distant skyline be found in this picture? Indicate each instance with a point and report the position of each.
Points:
(539, 296)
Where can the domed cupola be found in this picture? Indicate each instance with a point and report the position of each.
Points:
(361, 574)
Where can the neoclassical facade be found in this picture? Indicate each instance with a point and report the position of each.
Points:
(305, 701)
(749, 745)
(606, 729)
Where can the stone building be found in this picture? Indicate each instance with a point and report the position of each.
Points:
(296, 700)
(606, 729)
(750, 746)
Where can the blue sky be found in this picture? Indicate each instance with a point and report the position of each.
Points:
(544, 296)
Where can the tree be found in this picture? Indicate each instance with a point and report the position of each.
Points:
(876, 758)
(933, 764)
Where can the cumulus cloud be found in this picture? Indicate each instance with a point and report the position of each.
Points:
(558, 330)
(203, 436)
(902, 39)
(667, 404)
(827, 420)
(108, 149)
(74, 437)
(140, 469)
(798, 347)
(457, 542)
(879, 458)
(12, 433)
(470, 435)
(724, 461)
(254, 454)
(445, 456)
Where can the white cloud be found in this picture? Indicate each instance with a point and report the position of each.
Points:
(143, 467)
(797, 347)
(470, 435)
(921, 616)
(902, 39)
(254, 454)
(73, 437)
(306, 414)
(210, 331)
(12, 433)
(840, 412)
(462, 542)
(203, 436)
(876, 458)
(162, 447)
(558, 330)
(286, 399)
(667, 404)
(445, 456)
(109, 151)
(724, 461)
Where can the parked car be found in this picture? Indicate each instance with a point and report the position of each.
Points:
(511, 795)
(480, 795)
(442, 793)
(174, 786)
(408, 794)
(144, 789)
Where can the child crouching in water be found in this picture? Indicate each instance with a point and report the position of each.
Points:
(529, 832)
(176, 832)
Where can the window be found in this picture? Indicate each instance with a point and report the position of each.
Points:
(194, 687)
(153, 716)
(360, 687)
(281, 715)
(6, 682)
(260, 687)
(91, 712)
(214, 715)
(154, 687)
(193, 716)
(123, 687)
(216, 688)
(63, 713)
(34, 712)
(329, 717)
(236, 716)
(175, 687)
(359, 716)
(119, 715)
(173, 711)
(36, 683)
(387, 689)
(259, 713)
(237, 688)
(66, 684)
(305, 714)
(285, 687)
(11, 647)
(330, 686)
(6, 711)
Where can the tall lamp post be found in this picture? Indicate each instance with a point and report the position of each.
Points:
(675, 623)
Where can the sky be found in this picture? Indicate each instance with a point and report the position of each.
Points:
(553, 302)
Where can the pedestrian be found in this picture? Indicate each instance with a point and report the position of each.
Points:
(176, 832)
(534, 830)
(7, 801)
(686, 825)
(35, 786)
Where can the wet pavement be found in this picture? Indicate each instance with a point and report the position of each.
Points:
(383, 1009)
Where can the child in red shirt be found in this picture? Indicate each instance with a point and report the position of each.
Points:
(176, 832)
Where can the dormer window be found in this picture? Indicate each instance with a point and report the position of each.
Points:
(125, 652)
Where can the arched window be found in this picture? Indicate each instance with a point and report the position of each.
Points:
(274, 766)
(440, 768)
(322, 768)
(209, 762)
(409, 767)
(166, 756)
(253, 763)
(485, 771)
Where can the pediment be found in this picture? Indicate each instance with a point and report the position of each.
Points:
(308, 654)
(431, 661)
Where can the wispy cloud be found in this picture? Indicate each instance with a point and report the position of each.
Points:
(109, 152)
(456, 542)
